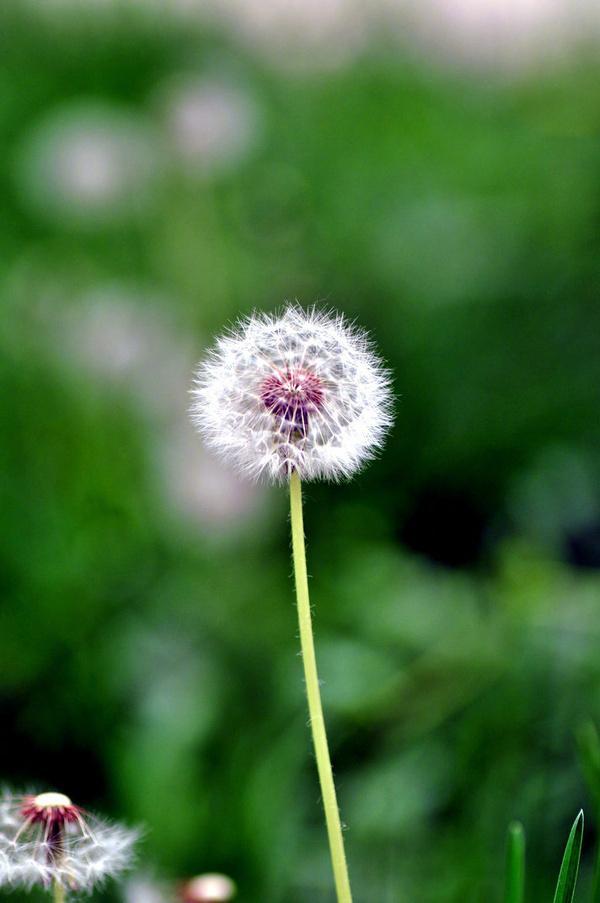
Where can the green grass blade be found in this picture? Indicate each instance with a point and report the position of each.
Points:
(567, 878)
(515, 864)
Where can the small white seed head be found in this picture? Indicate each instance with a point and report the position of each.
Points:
(46, 839)
(302, 391)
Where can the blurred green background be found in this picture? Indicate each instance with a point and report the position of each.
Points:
(433, 171)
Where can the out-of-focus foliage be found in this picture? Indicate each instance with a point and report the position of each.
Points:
(158, 179)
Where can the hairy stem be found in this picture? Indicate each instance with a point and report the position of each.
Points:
(59, 893)
(315, 708)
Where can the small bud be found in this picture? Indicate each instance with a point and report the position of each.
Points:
(210, 888)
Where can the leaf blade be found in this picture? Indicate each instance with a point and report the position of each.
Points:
(569, 869)
(515, 864)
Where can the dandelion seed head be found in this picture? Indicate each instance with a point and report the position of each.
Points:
(46, 839)
(302, 391)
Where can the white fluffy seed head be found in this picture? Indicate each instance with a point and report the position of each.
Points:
(302, 391)
(46, 840)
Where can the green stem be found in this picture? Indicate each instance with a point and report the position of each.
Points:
(315, 708)
(59, 892)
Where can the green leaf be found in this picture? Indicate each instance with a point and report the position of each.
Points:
(567, 878)
(515, 864)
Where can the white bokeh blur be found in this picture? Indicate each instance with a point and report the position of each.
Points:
(120, 335)
(309, 35)
(210, 123)
(89, 162)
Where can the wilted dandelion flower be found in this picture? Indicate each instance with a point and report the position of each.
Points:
(300, 392)
(46, 839)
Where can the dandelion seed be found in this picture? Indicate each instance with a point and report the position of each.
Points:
(300, 392)
(46, 839)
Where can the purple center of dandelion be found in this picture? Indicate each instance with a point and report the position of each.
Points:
(293, 395)
(53, 811)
